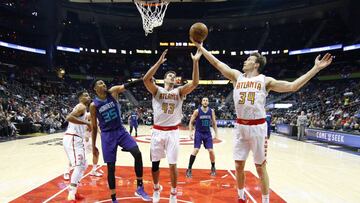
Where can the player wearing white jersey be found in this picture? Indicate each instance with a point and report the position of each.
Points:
(73, 142)
(88, 149)
(167, 106)
(250, 91)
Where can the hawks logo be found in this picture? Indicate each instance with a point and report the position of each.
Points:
(184, 140)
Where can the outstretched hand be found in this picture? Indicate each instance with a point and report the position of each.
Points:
(162, 58)
(197, 56)
(324, 62)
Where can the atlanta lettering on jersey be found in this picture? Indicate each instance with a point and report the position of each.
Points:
(169, 96)
(248, 84)
(106, 107)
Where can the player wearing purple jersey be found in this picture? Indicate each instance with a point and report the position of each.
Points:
(203, 117)
(106, 109)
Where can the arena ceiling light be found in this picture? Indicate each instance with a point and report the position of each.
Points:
(351, 47)
(68, 49)
(22, 48)
(317, 49)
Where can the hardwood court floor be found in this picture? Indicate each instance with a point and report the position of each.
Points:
(299, 171)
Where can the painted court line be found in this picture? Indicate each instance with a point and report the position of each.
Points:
(204, 181)
(251, 197)
(52, 197)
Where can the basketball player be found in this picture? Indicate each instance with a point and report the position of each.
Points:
(133, 122)
(167, 106)
(106, 109)
(88, 150)
(202, 116)
(250, 91)
(74, 145)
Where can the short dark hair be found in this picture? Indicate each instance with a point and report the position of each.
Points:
(80, 93)
(260, 59)
(168, 72)
(93, 84)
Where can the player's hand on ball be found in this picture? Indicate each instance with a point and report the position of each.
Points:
(197, 56)
(324, 62)
(196, 43)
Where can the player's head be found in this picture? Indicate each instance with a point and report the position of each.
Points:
(99, 86)
(254, 61)
(205, 102)
(83, 97)
(170, 77)
(302, 113)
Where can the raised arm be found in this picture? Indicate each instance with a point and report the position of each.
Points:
(191, 123)
(117, 89)
(79, 110)
(285, 86)
(94, 127)
(189, 87)
(226, 71)
(149, 84)
(214, 124)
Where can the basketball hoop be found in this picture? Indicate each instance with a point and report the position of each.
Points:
(152, 13)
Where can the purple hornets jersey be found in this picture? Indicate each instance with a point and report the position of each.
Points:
(203, 120)
(108, 113)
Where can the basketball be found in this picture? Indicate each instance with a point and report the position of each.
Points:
(198, 32)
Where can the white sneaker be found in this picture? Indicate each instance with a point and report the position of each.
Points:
(66, 176)
(156, 194)
(96, 174)
(172, 198)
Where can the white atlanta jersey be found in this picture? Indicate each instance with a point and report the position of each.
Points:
(77, 129)
(167, 106)
(250, 97)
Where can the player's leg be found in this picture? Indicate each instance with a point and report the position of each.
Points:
(240, 153)
(157, 152)
(197, 145)
(136, 132)
(240, 178)
(172, 151)
(208, 144)
(131, 128)
(109, 151)
(129, 144)
(111, 180)
(259, 148)
(94, 172)
(67, 172)
(79, 163)
(264, 181)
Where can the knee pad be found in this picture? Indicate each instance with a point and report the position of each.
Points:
(155, 166)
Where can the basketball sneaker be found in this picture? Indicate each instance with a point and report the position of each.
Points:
(213, 171)
(140, 192)
(188, 173)
(66, 176)
(96, 174)
(156, 195)
(173, 198)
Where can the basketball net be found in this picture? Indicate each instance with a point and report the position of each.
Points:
(152, 13)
